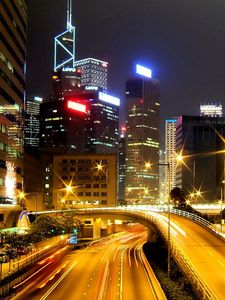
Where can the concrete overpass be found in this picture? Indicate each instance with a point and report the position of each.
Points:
(156, 221)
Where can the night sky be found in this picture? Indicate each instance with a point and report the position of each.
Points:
(183, 41)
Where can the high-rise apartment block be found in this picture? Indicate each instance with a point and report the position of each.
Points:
(142, 137)
(94, 73)
(170, 153)
(13, 24)
(200, 140)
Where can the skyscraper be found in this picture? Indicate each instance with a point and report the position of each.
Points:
(122, 166)
(32, 122)
(64, 50)
(13, 23)
(94, 73)
(201, 142)
(66, 81)
(142, 137)
(170, 151)
(85, 122)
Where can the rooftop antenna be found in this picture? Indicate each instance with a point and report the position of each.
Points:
(69, 14)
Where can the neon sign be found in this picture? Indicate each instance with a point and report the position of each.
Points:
(76, 106)
(141, 70)
(108, 98)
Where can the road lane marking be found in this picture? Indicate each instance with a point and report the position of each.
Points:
(211, 253)
(221, 263)
(58, 282)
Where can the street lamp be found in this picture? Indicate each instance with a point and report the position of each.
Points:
(221, 217)
(21, 197)
(167, 165)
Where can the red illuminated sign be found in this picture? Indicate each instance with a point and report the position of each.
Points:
(76, 106)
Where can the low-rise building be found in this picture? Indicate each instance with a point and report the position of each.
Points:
(84, 180)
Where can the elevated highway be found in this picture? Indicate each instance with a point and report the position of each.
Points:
(197, 248)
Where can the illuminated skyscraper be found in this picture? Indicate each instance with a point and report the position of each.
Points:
(142, 137)
(32, 122)
(64, 51)
(170, 152)
(86, 122)
(94, 73)
(13, 24)
(122, 166)
(201, 142)
(66, 81)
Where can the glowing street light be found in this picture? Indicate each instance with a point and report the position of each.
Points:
(198, 193)
(179, 157)
(68, 188)
(99, 167)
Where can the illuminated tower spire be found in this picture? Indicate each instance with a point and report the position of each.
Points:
(69, 14)
(64, 50)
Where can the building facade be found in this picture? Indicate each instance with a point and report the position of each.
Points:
(211, 110)
(201, 142)
(81, 123)
(170, 153)
(142, 139)
(66, 81)
(122, 167)
(94, 73)
(91, 178)
(32, 122)
(13, 24)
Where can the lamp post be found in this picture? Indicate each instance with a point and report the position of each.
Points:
(221, 217)
(167, 165)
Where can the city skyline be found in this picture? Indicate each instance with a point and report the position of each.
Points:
(178, 47)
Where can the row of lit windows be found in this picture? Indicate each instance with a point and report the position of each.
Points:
(85, 161)
(86, 177)
(8, 64)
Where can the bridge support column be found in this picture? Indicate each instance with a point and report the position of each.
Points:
(97, 228)
(152, 236)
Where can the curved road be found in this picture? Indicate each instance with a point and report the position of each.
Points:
(113, 268)
(203, 250)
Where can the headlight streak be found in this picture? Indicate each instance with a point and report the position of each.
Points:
(52, 276)
(52, 256)
(164, 221)
(57, 282)
(19, 284)
(121, 275)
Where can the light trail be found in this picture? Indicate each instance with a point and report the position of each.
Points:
(28, 278)
(121, 275)
(58, 282)
(101, 292)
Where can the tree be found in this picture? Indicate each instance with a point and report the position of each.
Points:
(177, 197)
